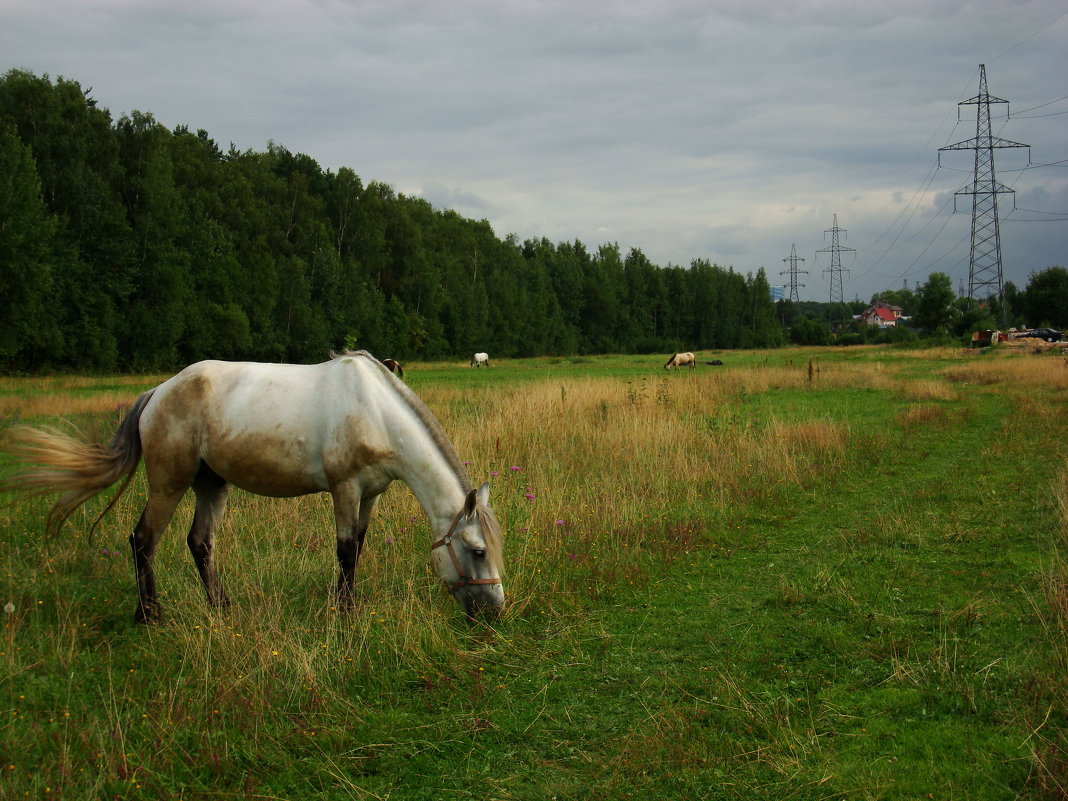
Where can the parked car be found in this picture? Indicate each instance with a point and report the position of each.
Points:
(1048, 334)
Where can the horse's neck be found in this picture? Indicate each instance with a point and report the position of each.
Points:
(432, 478)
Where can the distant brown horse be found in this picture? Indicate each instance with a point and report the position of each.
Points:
(680, 360)
(394, 367)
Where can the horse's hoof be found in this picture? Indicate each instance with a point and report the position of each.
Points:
(147, 615)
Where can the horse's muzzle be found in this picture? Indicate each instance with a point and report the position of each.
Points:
(486, 602)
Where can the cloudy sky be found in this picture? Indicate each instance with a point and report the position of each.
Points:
(729, 131)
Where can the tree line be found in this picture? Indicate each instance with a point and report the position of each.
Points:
(128, 246)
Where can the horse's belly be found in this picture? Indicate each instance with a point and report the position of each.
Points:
(268, 465)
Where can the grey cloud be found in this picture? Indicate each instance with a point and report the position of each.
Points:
(725, 131)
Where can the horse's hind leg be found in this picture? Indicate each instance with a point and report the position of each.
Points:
(211, 492)
(154, 519)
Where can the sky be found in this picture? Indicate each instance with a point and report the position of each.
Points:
(730, 131)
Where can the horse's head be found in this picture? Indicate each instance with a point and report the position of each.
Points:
(468, 557)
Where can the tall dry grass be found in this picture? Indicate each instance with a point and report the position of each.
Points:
(614, 480)
(595, 481)
(1013, 368)
(57, 396)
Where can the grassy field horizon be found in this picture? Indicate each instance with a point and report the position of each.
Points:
(807, 573)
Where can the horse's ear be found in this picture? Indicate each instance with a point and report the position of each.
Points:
(483, 494)
(469, 504)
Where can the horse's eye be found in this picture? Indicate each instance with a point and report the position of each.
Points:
(479, 553)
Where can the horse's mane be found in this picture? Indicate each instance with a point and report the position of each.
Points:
(416, 404)
(491, 529)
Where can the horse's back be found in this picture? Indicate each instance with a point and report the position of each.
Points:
(217, 390)
(273, 429)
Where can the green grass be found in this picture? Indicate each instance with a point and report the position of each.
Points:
(763, 586)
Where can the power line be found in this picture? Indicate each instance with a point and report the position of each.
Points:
(984, 267)
(1026, 39)
(793, 259)
(836, 269)
(1043, 105)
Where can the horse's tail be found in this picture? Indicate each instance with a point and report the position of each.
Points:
(79, 468)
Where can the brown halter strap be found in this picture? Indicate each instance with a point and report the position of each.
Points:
(464, 579)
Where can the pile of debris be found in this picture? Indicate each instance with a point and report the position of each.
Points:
(1040, 339)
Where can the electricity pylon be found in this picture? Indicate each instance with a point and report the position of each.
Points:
(793, 272)
(836, 269)
(984, 266)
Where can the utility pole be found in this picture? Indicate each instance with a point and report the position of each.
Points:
(836, 268)
(793, 272)
(984, 266)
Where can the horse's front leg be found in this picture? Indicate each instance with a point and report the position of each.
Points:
(351, 517)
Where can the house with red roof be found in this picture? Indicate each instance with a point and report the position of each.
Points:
(881, 314)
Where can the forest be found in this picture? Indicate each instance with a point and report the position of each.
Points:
(125, 246)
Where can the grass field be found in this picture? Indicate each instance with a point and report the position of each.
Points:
(807, 574)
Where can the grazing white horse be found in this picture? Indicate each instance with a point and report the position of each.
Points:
(480, 360)
(680, 360)
(347, 427)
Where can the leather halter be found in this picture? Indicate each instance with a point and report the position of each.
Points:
(464, 579)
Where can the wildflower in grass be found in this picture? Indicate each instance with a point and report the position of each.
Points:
(559, 522)
(515, 468)
(494, 473)
(529, 496)
(9, 607)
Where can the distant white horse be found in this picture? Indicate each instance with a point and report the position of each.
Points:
(480, 359)
(680, 360)
(346, 427)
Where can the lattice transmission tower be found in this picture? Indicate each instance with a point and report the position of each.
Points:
(793, 272)
(984, 265)
(836, 269)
